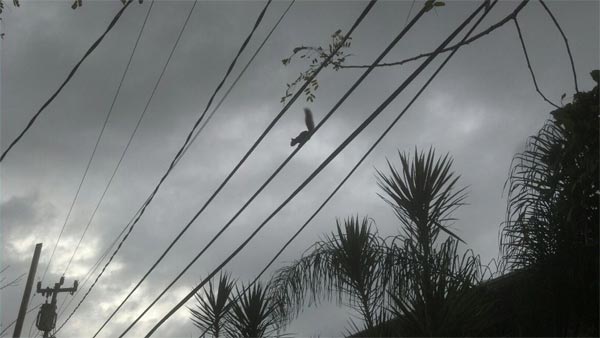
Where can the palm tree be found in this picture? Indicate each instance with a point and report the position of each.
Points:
(432, 289)
(211, 307)
(345, 264)
(551, 228)
(253, 312)
(427, 287)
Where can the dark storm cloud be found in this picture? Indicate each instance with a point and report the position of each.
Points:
(480, 109)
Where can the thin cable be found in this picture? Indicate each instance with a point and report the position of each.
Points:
(127, 147)
(440, 67)
(179, 153)
(89, 51)
(299, 91)
(239, 76)
(409, 12)
(87, 168)
(334, 154)
(537, 88)
(89, 274)
(14, 321)
(192, 140)
(279, 168)
(270, 263)
(100, 136)
(92, 155)
(474, 38)
(14, 282)
(566, 43)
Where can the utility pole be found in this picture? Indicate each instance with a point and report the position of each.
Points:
(46, 319)
(27, 291)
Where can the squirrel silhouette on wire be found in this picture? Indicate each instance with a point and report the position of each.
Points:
(305, 134)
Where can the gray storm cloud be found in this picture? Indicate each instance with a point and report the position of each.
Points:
(481, 109)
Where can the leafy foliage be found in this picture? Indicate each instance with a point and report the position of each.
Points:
(553, 186)
(445, 302)
(317, 55)
(252, 315)
(345, 265)
(211, 310)
(248, 313)
(407, 285)
(551, 227)
(432, 287)
(430, 4)
(422, 196)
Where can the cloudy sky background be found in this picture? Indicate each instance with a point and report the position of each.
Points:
(481, 109)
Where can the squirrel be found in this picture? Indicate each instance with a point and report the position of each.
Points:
(305, 134)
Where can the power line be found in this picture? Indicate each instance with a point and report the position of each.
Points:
(239, 76)
(276, 172)
(89, 51)
(89, 274)
(325, 62)
(14, 321)
(111, 108)
(193, 139)
(179, 153)
(332, 194)
(123, 155)
(351, 172)
(87, 168)
(319, 169)
(189, 144)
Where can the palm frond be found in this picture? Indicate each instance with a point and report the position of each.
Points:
(344, 266)
(423, 194)
(210, 311)
(253, 314)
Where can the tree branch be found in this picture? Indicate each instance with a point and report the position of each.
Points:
(537, 88)
(487, 31)
(566, 43)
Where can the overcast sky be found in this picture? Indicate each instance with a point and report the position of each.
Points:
(481, 109)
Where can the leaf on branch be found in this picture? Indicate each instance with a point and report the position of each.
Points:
(430, 4)
(318, 57)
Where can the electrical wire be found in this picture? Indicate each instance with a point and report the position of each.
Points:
(339, 186)
(125, 151)
(281, 166)
(87, 168)
(179, 153)
(299, 91)
(89, 274)
(14, 321)
(193, 139)
(334, 154)
(89, 51)
(110, 110)
(239, 76)
(189, 144)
